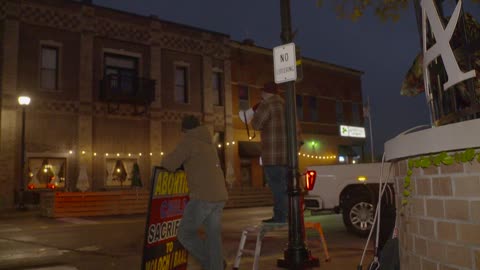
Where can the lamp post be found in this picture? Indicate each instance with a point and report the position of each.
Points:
(24, 101)
(296, 255)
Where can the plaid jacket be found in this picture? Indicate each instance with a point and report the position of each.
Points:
(269, 118)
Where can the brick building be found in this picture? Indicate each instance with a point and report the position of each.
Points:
(108, 90)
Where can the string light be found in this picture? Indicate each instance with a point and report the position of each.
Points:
(118, 154)
(317, 157)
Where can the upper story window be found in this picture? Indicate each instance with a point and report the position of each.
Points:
(121, 65)
(181, 85)
(339, 112)
(243, 98)
(300, 107)
(121, 71)
(313, 109)
(356, 114)
(49, 68)
(217, 89)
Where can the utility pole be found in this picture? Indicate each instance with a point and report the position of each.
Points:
(370, 128)
(296, 255)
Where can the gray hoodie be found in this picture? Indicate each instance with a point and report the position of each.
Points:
(198, 154)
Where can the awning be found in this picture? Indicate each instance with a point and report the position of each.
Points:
(249, 149)
(346, 151)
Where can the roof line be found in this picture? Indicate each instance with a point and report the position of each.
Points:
(268, 51)
(150, 17)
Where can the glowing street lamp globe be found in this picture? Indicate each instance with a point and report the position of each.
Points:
(24, 100)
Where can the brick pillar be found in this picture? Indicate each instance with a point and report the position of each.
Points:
(155, 121)
(229, 136)
(10, 119)
(439, 228)
(85, 119)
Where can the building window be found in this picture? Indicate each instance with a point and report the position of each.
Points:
(46, 172)
(120, 172)
(356, 114)
(300, 107)
(121, 71)
(181, 85)
(339, 112)
(49, 68)
(217, 89)
(313, 108)
(219, 139)
(243, 98)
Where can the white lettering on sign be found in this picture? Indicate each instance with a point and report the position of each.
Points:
(350, 131)
(442, 46)
(162, 231)
(284, 63)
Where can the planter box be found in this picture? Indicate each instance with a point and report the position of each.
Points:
(439, 227)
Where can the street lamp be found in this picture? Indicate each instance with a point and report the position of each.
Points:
(296, 255)
(24, 101)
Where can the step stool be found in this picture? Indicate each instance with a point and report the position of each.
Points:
(261, 230)
(318, 227)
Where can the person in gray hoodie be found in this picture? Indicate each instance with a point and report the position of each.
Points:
(197, 153)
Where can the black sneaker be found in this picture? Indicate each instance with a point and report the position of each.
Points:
(268, 220)
(274, 222)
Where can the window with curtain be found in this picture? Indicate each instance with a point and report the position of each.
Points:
(181, 85)
(243, 97)
(49, 68)
(217, 89)
(119, 172)
(121, 71)
(45, 171)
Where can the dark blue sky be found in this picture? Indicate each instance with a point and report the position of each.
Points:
(383, 50)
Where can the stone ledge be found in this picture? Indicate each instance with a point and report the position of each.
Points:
(434, 140)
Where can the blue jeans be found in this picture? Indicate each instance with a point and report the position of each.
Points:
(276, 177)
(207, 251)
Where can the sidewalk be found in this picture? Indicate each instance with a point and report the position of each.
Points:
(345, 250)
(104, 243)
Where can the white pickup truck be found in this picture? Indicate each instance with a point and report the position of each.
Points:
(351, 190)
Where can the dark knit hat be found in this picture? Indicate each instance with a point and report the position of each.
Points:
(190, 122)
(270, 87)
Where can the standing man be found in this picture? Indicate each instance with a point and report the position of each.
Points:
(269, 117)
(207, 191)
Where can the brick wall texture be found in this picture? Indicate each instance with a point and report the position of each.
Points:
(439, 228)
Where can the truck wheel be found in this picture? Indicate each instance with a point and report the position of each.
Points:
(358, 215)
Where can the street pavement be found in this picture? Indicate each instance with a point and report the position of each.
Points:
(28, 241)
